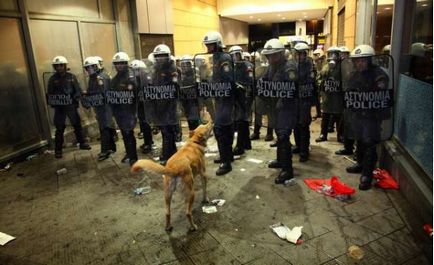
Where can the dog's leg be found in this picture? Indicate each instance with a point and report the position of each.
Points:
(204, 179)
(169, 188)
(189, 200)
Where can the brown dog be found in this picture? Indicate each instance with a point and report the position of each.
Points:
(185, 164)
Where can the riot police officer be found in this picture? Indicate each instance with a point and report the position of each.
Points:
(63, 95)
(222, 72)
(348, 148)
(122, 98)
(318, 59)
(260, 106)
(188, 92)
(365, 113)
(278, 88)
(306, 86)
(161, 99)
(143, 78)
(331, 93)
(98, 83)
(243, 98)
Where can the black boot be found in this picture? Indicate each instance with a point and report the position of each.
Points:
(255, 134)
(274, 164)
(283, 176)
(321, 138)
(357, 168)
(78, 131)
(146, 148)
(285, 158)
(365, 183)
(103, 156)
(238, 151)
(224, 168)
(58, 141)
(269, 137)
(344, 151)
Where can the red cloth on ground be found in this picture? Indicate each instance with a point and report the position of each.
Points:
(384, 179)
(337, 187)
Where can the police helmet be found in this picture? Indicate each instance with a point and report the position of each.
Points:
(273, 46)
(363, 50)
(59, 60)
(121, 57)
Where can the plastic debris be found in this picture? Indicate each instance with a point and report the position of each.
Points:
(210, 154)
(142, 190)
(384, 180)
(242, 169)
(283, 232)
(61, 171)
(209, 209)
(156, 158)
(218, 202)
(5, 238)
(254, 160)
(257, 197)
(30, 157)
(331, 187)
(428, 229)
(7, 167)
(355, 252)
(49, 152)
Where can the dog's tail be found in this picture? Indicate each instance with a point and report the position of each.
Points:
(149, 165)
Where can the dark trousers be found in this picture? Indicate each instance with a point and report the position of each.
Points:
(328, 118)
(243, 138)
(107, 136)
(225, 138)
(60, 114)
(284, 153)
(302, 138)
(367, 157)
(168, 133)
(145, 128)
(130, 143)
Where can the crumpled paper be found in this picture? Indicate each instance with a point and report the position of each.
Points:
(283, 232)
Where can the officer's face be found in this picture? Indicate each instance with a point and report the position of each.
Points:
(121, 66)
(300, 56)
(91, 69)
(274, 58)
(211, 48)
(236, 57)
(60, 68)
(361, 64)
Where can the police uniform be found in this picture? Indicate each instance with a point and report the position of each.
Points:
(243, 104)
(224, 107)
(284, 118)
(68, 85)
(365, 126)
(125, 114)
(164, 111)
(306, 85)
(97, 85)
(188, 98)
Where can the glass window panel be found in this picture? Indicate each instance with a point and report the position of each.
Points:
(19, 120)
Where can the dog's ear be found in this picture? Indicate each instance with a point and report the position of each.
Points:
(191, 134)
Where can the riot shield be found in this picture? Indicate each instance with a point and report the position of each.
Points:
(94, 96)
(276, 93)
(215, 75)
(188, 90)
(330, 87)
(161, 94)
(368, 97)
(243, 89)
(306, 76)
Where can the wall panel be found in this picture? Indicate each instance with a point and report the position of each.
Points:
(19, 119)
